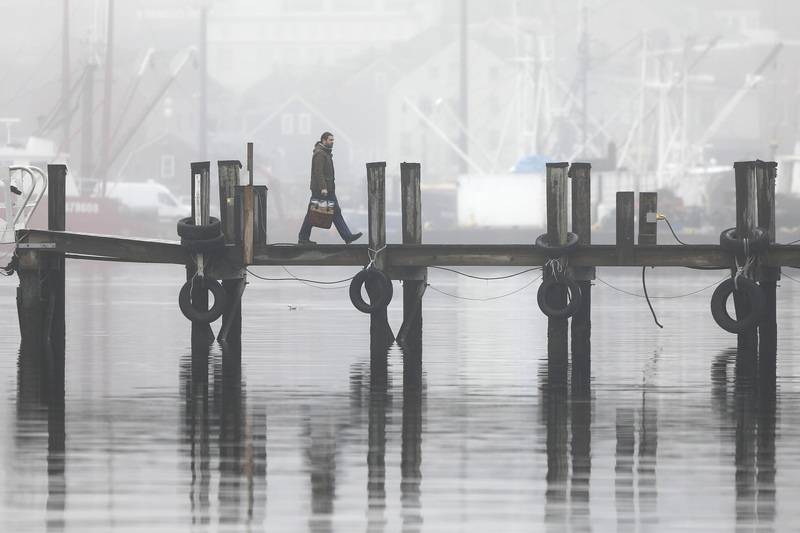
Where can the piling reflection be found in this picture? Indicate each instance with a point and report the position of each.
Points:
(411, 450)
(751, 407)
(566, 406)
(216, 414)
(40, 425)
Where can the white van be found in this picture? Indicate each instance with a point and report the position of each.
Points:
(148, 198)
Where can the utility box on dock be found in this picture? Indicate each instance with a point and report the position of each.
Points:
(259, 213)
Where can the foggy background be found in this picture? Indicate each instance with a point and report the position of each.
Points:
(462, 87)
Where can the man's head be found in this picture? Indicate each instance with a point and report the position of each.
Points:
(327, 139)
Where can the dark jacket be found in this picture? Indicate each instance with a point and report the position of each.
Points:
(322, 175)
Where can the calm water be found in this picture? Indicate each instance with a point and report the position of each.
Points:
(667, 437)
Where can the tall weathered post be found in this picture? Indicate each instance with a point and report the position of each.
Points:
(625, 228)
(581, 326)
(381, 335)
(767, 277)
(202, 335)
(233, 279)
(557, 214)
(648, 227)
(414, 278)
(41, 302)
(746, 206)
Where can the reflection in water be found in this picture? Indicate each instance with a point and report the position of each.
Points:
(40, 414)
(352, 460)
(566, 499)
(411, 451)
(220, 416)
(751, 407)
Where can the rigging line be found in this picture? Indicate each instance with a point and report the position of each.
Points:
(306, 281)
(644, 288)
(790, 277)
(660, 297)
(484, 299)
(486, 279)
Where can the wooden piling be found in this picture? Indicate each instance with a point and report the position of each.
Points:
(557, 230)
(381, 335)
(767, 277)
(625, 225)
(228, 181)
(414, 278)
(648, 208)
(202, 335)
(746, 205)
(581, 324)
(234, 279)
(41, 302)
(247, 210)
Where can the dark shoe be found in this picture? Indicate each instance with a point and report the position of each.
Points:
(306, 241)
(353, 237)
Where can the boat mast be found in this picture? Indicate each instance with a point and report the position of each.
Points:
(105, 156)
(65, 76)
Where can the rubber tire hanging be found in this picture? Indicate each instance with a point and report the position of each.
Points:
(554, 252)
(211, 244)
(385, 290)
(719, 308)
(201, 315)
(188, 230)
(573, 296)
(729, 242)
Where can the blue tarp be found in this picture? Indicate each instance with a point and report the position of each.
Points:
(531, 163)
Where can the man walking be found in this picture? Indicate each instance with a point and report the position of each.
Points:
(323, 186)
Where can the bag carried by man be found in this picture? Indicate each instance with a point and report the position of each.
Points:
(320, 213)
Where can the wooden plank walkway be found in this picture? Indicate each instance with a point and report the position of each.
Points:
(403, 255)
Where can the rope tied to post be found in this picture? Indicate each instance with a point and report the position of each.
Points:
(742, 270)
(557, 266)
(373, 256)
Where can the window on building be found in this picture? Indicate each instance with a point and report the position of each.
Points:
(287, 124)
(381, 82)
(167, 166)
(304, 124)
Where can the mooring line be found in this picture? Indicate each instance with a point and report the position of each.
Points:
(308, 282)
(660, 297)
(485, 278)
(484, 299)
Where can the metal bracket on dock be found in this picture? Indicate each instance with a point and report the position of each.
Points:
(36, 245)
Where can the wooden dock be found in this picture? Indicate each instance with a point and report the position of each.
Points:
(41, 255)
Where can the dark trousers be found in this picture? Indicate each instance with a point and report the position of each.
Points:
(338, 219)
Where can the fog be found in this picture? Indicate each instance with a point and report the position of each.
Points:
(138, 90)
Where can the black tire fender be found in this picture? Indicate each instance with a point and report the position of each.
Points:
(384, 284)
(188, 230)
(204, 245)
(201, 315)
(719, 301)
(731, 243)
(554, 252)
(573, 296)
